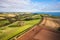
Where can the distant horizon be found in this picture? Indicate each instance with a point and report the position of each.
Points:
(50, 13)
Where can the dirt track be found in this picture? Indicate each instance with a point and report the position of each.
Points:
(44, 31)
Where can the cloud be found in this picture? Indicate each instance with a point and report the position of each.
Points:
(27, 6)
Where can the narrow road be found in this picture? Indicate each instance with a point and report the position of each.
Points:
(47, 30)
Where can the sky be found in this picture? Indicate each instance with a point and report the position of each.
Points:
(29, 5)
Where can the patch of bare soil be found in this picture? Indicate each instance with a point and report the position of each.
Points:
(44, 31)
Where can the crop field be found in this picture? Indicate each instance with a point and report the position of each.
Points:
(17, 28)
(12, 31)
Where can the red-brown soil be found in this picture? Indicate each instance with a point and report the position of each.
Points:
(43, 31)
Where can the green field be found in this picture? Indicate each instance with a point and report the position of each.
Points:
(3, 22)
(10, 32)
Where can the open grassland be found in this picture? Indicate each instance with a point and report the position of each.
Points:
(3, 23)
(11, 32)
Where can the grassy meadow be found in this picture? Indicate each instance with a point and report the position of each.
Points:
(17, 24)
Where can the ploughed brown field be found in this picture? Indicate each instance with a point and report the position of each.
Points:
(46, 30)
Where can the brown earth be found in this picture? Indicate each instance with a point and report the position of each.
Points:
(47, 30)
